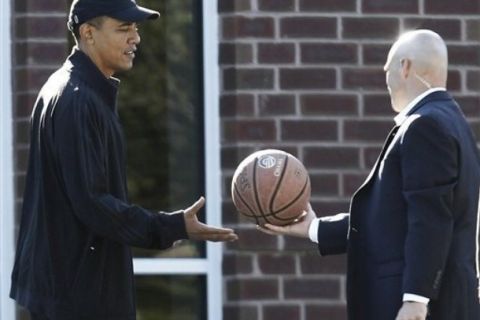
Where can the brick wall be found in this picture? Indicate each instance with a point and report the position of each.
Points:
(306, 76)
(38, 49)
(301, 75)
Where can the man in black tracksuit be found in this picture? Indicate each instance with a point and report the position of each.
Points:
(73, 257)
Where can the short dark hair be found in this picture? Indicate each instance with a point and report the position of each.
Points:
(97, 22)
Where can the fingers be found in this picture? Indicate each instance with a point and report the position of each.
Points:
(193, 209)
(272, 229)
(214, 234)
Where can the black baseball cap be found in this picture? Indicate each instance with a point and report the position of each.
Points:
(125, 10)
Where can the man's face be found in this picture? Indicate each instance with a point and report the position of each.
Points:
(114, 45)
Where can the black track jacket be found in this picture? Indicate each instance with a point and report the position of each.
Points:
(73, 259)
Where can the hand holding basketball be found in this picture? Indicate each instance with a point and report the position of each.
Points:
(297, 229)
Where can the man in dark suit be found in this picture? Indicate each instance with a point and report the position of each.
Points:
(412, 230)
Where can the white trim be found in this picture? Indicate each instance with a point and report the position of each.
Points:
(170, 266)
(211, 85)
(7, 195)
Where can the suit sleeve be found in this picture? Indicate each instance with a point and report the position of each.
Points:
(82, 158)
(429, 164)
(333, 234)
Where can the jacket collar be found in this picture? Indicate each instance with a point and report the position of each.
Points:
(434, 94)
(106, 88)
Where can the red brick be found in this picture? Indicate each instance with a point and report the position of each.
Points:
(275, 312)
(253, 240)
(233, 5)
(475, 125)
(311, 289)
(233, 155)
(324, 184)
(331, 157)
(249, 130)
(277, 53)
(41, 53)
(378, 105)
(308, 27)
(367, 130)
(316, 264)
(464, 55)
(390, 6)
(252, 289)
(448, 29)
(328, 53)
(307, 78)
(328, 5)
(243, 27)
(276, 5)
(235, 53)
(352, 181)
(296, 245)
(41, 27)
(364, 79)
(376, 28)
(240, 312)
(230, 215)
(469, 105)
(454, 82)
(236, 78)
(473, 29)
(452, 7)
(276, 264)
(473, 80)
(332, 312)
(237, 264)
(276, 105)
(41, 6)
(375, 54)
(330, 207)
(237, 105)
(31, 79)
(22, 132)
(329, 104)
(24, 104)
(21, 159)
(309, 130)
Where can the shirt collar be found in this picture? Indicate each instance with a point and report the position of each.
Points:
(402, 115)
(107, 88)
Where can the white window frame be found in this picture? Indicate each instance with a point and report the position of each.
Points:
(211, 265)
(7, 194)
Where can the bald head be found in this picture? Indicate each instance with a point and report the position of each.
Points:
(421, 59)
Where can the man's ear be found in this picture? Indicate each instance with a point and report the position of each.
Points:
(86, 32)
(406, 67)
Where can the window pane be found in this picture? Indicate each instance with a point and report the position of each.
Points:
(171, 297)
(160, 105)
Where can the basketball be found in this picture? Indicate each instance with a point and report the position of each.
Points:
(271, 186)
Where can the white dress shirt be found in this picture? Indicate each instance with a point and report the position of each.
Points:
(399, 119)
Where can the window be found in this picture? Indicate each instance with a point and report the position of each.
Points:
(7, 307)
(173, 156)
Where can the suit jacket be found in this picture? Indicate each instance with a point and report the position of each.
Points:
(412, 226)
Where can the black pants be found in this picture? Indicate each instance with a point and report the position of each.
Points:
(37, 316)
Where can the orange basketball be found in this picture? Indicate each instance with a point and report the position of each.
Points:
(271, 186)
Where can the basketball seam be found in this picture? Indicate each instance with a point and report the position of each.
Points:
(252, 212)
(277, 187)
(257, 200)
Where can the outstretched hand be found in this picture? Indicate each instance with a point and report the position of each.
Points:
(197, 230)
(297, 229)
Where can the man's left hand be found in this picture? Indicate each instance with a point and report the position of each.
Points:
(412, 311)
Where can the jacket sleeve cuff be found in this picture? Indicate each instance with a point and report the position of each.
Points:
(168, 228)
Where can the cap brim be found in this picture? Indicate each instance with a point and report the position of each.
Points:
(135, 14)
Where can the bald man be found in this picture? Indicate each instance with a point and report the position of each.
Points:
(411, 233)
